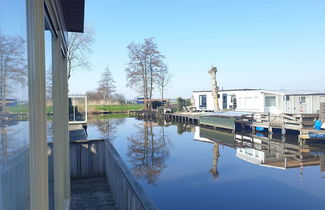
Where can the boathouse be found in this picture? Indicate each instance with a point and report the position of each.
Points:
(259, 100)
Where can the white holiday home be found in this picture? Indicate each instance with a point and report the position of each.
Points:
(258, 100)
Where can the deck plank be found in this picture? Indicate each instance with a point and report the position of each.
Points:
(91, 194)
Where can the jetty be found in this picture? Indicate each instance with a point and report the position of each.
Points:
(302, 124)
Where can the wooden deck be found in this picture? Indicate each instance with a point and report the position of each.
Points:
(220, 120)
(192, 118)
(91, 193)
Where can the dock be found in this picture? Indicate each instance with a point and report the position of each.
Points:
(215, 120)
(262, 121)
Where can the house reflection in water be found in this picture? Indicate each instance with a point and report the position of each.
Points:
(281, 153)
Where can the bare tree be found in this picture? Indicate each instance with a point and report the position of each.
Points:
(163, 81)
(145, 64)
(79, 47)
(49, 84)
(155, 62)
(13, 67)
(93, 96)
(106, 85)
(137, 70)
(120, 98)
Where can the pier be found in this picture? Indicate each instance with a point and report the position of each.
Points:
(214, 120)
(262, 121)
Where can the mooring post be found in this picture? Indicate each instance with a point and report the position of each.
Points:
(253, 129)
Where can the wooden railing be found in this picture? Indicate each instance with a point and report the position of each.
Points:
(285, 120)
(87, 158)
(90, 158)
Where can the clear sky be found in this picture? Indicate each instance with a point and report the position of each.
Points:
(272, 44)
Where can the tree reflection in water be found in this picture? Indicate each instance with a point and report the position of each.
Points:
(214, 170)
(108, 127)
(8, 144)
(148, 151)
(182, 128)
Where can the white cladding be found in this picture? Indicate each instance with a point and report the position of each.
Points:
(254, 100)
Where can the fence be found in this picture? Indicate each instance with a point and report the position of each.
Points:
(128, 194)
(92, 158)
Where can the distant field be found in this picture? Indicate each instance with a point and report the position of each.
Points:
(115, 108)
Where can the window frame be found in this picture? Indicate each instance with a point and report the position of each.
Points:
(201, 101)
(37, 11)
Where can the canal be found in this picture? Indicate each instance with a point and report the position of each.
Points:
(186, 167)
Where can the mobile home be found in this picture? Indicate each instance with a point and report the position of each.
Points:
(258, 100)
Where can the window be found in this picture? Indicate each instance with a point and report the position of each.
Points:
(77, 109)
(14, 98)
(203, 101)
(224, 101)
(234, 102)
(287, 98)
(302, 99)
(269, 101)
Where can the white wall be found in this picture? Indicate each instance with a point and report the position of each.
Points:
(311, 105)
(254, 101)
(196, 96)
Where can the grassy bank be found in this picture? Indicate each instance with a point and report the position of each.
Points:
(91, 108)
(17, 109)
(107, 116)
(115, 108)
(24, 109)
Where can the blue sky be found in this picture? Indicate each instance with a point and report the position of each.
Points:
(254, 43)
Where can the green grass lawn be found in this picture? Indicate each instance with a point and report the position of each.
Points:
(91, 108)
(17, 109)
(115, 108)
(24, 109)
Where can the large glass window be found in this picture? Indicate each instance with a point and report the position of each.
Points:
(14, 124)
(77, 109)
(49, 114)
(269, 101)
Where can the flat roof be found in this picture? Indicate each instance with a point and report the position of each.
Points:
(197, 91)
(283, 92)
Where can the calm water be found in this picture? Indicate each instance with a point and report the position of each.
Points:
(185, 167)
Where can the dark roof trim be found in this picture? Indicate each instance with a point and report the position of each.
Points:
(306, 94)
(74, 14)
(198, 91)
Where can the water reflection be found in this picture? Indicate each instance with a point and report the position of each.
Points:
(171, 166)
(148, 151)
(277, 152)
(107, 126)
